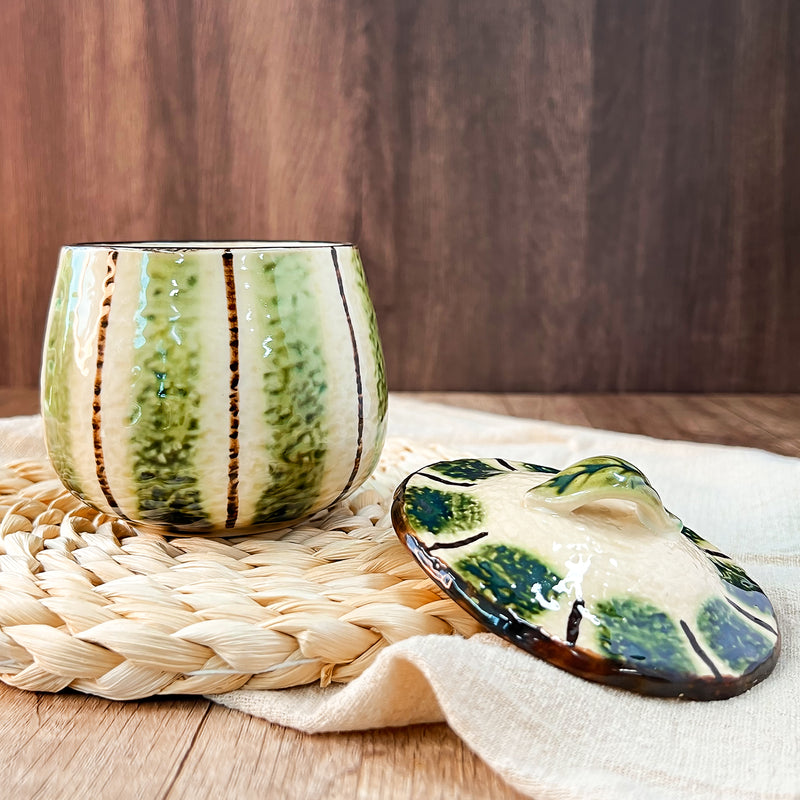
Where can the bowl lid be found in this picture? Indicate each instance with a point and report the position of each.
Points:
(586, 569)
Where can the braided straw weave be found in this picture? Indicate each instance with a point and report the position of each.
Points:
(88, 602)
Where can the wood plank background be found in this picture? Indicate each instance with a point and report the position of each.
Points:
(550, 195)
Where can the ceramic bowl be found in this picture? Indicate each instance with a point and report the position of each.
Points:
(212, 386)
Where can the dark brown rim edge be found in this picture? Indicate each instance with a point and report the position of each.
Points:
(211, 245)
(560, 654)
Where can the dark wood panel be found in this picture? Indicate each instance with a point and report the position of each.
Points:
(279, 119)
(487, 116)
(658, 209)
(561, 195)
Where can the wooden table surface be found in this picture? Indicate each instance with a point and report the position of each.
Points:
(74, 746)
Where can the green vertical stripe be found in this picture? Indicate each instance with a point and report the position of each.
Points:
(164, 418)
(374, 337)
(294, 381)
(55, 378)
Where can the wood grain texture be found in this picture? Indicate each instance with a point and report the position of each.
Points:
(770, 422)
(560, 195)
(68, 745)
(694, 263)
(418, 761)
(18, 401)
(488, 111)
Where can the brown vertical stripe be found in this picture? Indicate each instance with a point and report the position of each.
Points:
(108, 290)
(753, 618)
(699, 650)
(233, 397)
(359, 387)
(574, 622)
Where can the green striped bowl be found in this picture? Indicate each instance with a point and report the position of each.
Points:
(196, 386)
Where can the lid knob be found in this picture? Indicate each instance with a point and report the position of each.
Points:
(603, 478)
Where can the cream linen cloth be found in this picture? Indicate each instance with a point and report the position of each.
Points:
(548, 733)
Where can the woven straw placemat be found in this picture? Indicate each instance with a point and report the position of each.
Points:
(89, 603)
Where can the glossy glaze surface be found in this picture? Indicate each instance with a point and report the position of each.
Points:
(586, 569)
(195, 387)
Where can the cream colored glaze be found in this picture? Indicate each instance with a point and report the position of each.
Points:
(254, 434)
(118, 408)
(214, 375)
(85, 305)
(373, 434)
(340, 419)
(644, 501)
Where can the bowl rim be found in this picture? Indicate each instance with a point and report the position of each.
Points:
(211, 245)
